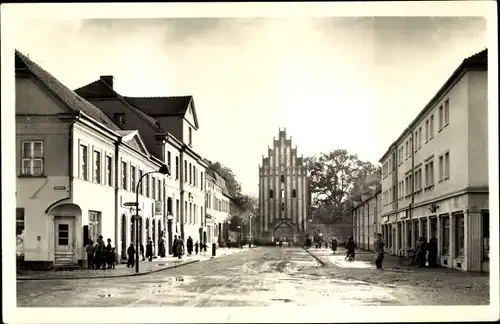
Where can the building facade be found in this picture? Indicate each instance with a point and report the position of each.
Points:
(168, 126)
(217, 207)
(435, 175)
(366, 220)
(283, 190)
(76, 168)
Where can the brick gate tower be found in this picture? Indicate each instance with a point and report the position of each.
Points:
(283, 192)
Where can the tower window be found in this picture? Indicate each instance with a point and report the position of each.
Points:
(282, 206)
(294, 193)
(282, 178)
(282, 193)
(271, 193)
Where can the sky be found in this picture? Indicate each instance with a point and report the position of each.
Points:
(350, 83)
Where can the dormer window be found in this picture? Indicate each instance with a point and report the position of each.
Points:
(190, 136)
(120, 118)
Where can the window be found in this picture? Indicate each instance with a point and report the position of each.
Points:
(195, 175)
(94, 224)
(446, 112)
(282, 193)
(146, 180)
(32, 158)
(440, 117)
(132, 178)
(177, 213)
(419, 137)
(169, 206)
(119, 118)
(190, 136)
(446, 165)
(431, 129)
(185, 171)
(190, 213)
(124, 175)
(201, 180)
(176, 168)
(20, 222)
(271, 193)
(62, 234)
(294, 193)
(406, 150)
(426, 130)
(282, 178)
(109, 170)
(83, 162)
(159, 197)
(441, 168)
(139, 176)
(429, 174)
(190, 174)
(169, 160)
(415, 143)
(485, 214)
(459, 235)
(97, 167)
(153, 187)
(445, 234)
(185, 212)
(282, 206)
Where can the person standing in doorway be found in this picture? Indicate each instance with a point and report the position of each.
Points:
(189, 246)
(180, 247)
(432, 252)
(379, 251)
(131, 255)
(174, 246)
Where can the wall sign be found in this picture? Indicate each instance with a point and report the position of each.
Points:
(59, 187)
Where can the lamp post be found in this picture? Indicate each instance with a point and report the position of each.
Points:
(164, 169)
(227, 233)
(241, 234)
(250, 231)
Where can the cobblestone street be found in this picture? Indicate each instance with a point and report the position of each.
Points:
(266, 277)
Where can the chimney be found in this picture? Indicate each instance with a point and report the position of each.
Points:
(108, 79)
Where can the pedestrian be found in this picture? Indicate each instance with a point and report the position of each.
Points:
(141, 251)
(149, 250)
(189, 246)
(379, 251)
(161, 246)
(280, 243)
(229, 243)
(108, 257)
(334, 245)
(180, 247)
(131, 255)
(350, 247)
(421, 251)
(326, 244)
(432, 252)
(90, 249)
(196, 247)
(99, 254)
(174, 246)
(113, 258)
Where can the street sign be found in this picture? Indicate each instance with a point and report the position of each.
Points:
(130, 203)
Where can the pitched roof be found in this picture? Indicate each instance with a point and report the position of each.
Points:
(162, 106)
(67, 96)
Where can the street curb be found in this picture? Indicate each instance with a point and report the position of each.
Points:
(109, 277)
(323, 264)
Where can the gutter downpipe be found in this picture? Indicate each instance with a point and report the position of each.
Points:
(117, 191)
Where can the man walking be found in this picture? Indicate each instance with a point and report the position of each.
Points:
(379, 251)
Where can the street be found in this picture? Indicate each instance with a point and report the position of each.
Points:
(264, 276)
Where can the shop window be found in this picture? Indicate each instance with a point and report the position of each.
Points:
(459, 235)
(445, 235)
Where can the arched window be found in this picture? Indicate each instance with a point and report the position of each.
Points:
(282, 193)
(123, 237)
(282, 206)
(294, 193)
(271, 193)
(282, 178)
(132, 230)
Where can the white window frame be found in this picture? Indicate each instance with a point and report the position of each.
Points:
(441, 168)
(31, 159)
(446, 116)
(440, 118)
(81, 161)
(446, 163)
(133, 177)
(106, 156)
(431, 127)
(94, 165)
(124, 175)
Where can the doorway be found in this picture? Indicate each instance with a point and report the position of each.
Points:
(64, 251)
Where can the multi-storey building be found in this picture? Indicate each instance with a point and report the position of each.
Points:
(217, 206)
(168, 126)
(75, 169)
(435, 175)
(366, 221)
(283, 190)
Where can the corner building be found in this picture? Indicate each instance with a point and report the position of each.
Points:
(283, 191)
(435, 175)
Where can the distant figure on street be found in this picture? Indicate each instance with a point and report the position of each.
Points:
(149, 250)
(174, 246)
(421, 251)
(379, 251)
(229, 243)
(90, 249)
(180, 247)
(131, 255)
(350, 247)
(141, 251)
(280, 243)
(334, 245)
(161, 246)
(99, 254)
(109, 257)
(196, 245)
(189, 246)
(432, 252)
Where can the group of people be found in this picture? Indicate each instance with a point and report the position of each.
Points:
(426, 252)
(178, 247)
(131, 251)
(100, 255)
